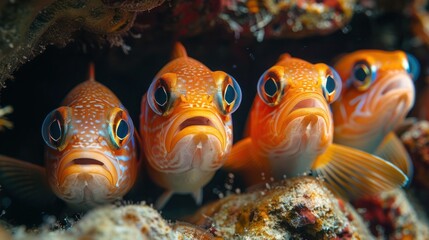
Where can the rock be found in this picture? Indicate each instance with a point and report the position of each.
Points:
(42, 23)
(391, 215)
(297, 208)
(126, 222)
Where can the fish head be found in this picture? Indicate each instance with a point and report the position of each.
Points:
(291, 111)
(378, 92)
(91, 153)
(186, 117)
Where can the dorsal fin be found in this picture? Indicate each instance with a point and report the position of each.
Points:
(91, 72)
(284, 56)
(178, 51)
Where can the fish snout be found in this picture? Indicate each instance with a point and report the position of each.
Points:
(87, 163)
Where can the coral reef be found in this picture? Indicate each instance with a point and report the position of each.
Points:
(42, 23)
(390, 215)
(126, 222)
(280, 19)
(297, 208)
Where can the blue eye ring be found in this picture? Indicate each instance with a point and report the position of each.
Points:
(413, 66)
(120, 127)
(55, 128)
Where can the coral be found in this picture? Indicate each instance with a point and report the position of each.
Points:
(125, 222)
(416, 141)
(297, 208)
(279, 19)
(390, 215)
(47, 22)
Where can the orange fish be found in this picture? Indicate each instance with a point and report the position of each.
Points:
(186, 125)
(378, 92)
(290, 132)
(90, 156)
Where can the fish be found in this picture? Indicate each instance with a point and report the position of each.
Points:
(290, 133)
(378, 92)
(186, 125)
(91, 153)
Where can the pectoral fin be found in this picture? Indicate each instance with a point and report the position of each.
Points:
(352, 173)
(239, 155)
(242, 160)
(392, 150)
(26, 182)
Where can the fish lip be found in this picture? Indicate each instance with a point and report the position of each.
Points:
(308, 106)
(395, 83)
(300, 106)
(75, 161)
(187, 121)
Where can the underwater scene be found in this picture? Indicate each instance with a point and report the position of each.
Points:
(216, 119)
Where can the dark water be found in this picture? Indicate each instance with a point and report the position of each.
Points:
(40, 85)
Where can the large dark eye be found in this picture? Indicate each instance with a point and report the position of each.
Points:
(413, 67)
(120, 127)
(122, 130)
(331, 85)
(271, 87)
(55, 131)
(362, 76)
(159, 96)
(230, 94)
(55, 127)
(228, 97)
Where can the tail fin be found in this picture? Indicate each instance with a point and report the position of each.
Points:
(178, 51)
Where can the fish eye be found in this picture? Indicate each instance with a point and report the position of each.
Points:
(55, 130)
(331, 85)
(122, 130)
(413, 66)
(362, 76)
(228, 97)
(271, 87)
(55, 127)
(159, 95)
(120, 127)
(229, 94)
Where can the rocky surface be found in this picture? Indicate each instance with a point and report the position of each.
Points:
(132, 222)
(47, 22)
(299, 208)
(391, 215)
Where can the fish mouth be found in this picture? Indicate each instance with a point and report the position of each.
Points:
(199, 123)
(396, 92)
(313, 105)
(89, 163)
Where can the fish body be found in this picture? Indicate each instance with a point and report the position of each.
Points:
(90, 155)
(290, 132)
(186, 124)
(378, 92)
(290, 129)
